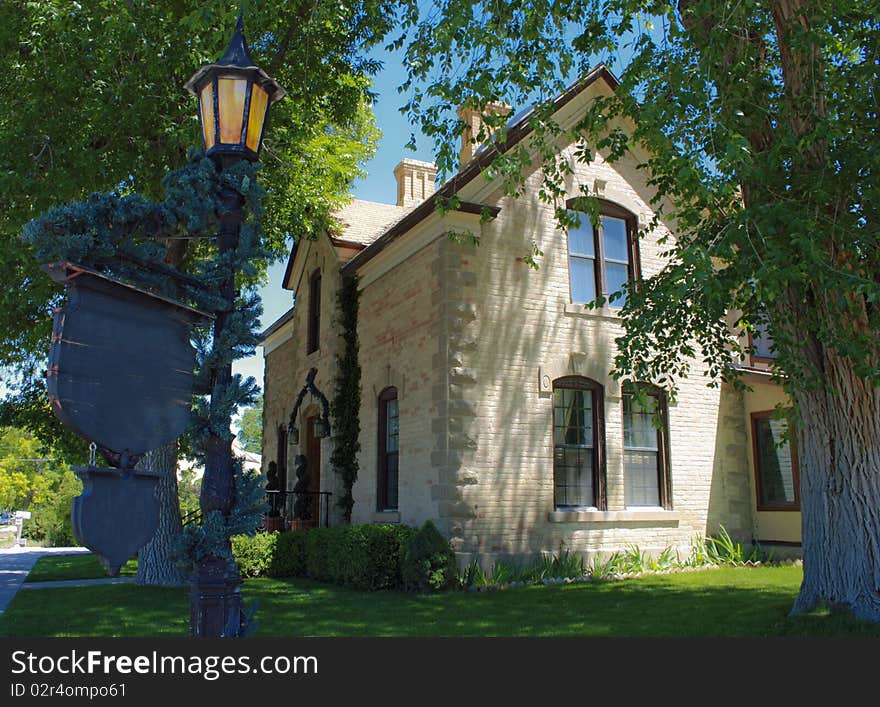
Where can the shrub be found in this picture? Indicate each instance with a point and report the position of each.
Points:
(366, 557)
(322, 560)
(270, 554)
(289, 559)
(254, 553)
(428, 561)
(357, 556)
(376, 555)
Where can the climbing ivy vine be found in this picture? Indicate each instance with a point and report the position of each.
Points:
(346, 403)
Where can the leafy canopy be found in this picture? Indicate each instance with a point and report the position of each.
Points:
(91, 99)
(29, 471)
(756, 123)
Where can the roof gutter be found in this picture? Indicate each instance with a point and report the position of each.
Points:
(515, 134)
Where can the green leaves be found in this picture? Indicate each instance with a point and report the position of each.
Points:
(759, 138)
(91, 100)
(347, 397)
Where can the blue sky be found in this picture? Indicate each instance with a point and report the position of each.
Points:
(378, 185)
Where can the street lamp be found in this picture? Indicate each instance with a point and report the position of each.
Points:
(234, 98)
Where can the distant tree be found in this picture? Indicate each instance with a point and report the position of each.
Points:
(189, 489)
(250, 428)
(25, 470)
(33, 477)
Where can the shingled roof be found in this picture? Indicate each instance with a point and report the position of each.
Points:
(364, 221)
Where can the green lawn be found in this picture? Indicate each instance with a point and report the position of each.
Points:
(62, 567)
(719, 602)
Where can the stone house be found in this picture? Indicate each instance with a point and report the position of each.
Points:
(486, 400)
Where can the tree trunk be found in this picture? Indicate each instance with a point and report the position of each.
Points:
(839, 464)
(155, 564)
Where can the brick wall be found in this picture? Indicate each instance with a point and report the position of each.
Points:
(287, 365)
(472, 338)
(397, 325)
(510, 331)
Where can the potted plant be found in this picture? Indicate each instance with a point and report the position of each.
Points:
(302, 503)
(273, 521)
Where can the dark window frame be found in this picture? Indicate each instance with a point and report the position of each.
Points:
(314, 320)
(634, 268)
(795, 470)
(386, 396)
(664, 468)
(599, 458)
(755, 357)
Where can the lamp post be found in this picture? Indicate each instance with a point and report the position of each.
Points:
(234, 98)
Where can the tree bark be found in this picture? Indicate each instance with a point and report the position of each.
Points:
(155, 563)
(839, 464)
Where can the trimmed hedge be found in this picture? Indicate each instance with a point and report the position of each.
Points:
(270, 554)
(367, 557)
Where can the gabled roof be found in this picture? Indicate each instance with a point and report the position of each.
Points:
(516, 132)
(370, 226)
(362, 222)
(373, 225)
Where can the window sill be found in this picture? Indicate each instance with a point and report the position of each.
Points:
(659, 517)
(392, 517)
(573, 309)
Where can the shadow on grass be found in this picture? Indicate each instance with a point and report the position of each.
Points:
(828, 622)
(711, 603)
(64, 567)
(98, 611)
(724, 602)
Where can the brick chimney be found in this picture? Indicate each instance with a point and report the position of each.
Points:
(415, 181)
(473, 119)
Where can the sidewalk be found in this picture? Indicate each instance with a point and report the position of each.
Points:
(16, 562)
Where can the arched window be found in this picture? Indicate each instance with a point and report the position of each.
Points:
(389, 434)
(645, 446)
(578, 443)
(602, 260)
(314, 324)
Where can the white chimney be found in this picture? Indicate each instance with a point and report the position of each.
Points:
(473, 120)
(415, 181)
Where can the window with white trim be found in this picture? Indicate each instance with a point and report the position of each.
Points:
(604, 259)
(578, 443)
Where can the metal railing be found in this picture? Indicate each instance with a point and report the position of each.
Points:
(283, 503)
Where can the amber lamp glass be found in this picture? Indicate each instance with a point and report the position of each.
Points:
(234, 98)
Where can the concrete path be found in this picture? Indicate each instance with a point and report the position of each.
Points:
(16, 562)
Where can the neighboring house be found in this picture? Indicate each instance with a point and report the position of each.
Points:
(249, 461)
(487, 404)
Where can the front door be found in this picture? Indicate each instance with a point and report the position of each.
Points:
(313, 466)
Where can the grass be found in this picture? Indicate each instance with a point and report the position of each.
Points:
(719, 602)
(65, 567)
